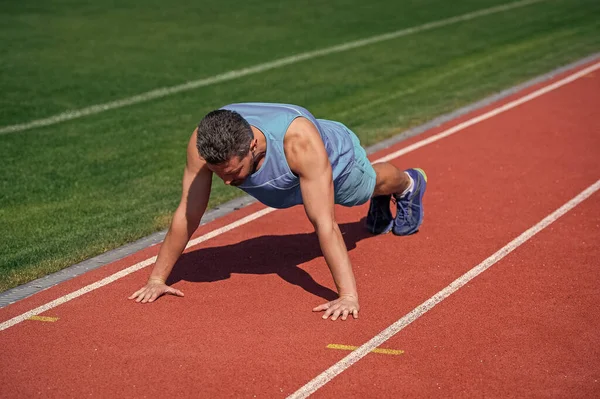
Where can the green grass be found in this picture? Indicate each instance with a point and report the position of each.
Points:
(76, 189)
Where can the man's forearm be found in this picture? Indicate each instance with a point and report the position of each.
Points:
(336, 254)
(175, 241)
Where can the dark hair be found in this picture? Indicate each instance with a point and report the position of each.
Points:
(223, 134)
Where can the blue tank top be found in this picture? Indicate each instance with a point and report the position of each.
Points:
(274, 184)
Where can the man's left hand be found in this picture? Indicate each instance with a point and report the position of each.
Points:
(344, 305)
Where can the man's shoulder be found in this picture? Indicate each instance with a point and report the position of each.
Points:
(300, 136)
(300, 126)
(193, 157)
(299, 129)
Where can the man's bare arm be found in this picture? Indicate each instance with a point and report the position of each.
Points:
(306, 155)
(197, 180)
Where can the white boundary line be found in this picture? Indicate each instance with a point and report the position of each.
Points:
(256, 215)
(420, 310)
(238, 73)
(129, 270)
(491, 113)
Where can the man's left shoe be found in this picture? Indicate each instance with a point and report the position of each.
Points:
(379, 218)
(409, 215)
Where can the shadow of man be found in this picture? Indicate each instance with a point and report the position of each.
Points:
(279, 254)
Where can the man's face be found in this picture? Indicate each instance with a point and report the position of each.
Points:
(236, 170)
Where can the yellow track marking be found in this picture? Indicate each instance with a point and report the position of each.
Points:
(376, 350)
(44, 318)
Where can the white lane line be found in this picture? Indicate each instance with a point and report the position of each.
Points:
(420, 310)
(238, 73)
(491, 113)
(263, 212)
(129, 270)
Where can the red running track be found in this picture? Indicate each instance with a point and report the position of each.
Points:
(528, 326)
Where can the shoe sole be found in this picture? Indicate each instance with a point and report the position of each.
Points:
(387, 229)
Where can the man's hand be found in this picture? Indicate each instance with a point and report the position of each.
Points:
(152, 290)
(196, 186)
(344, 305)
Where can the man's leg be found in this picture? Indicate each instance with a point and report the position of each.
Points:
(408, 188)
(378, 183)
(390, 180)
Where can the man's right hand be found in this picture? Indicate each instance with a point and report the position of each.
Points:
(152, 290)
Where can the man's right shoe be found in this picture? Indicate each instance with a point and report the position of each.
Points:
(409, 215)
(379, 218)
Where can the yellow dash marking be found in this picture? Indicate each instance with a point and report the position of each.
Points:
(44, 318)
(376, 350)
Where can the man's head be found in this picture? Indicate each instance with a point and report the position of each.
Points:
(226, 142)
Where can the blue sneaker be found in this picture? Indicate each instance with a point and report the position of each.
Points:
(379, 218)
(409, 214)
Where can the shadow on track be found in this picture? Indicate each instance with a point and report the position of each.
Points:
(279, 254)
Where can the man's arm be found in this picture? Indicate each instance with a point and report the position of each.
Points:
(306, 155)
(197, 179)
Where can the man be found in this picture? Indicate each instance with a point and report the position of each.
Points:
(283, 156)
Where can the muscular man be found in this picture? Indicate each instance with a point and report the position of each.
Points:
(281, 155)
